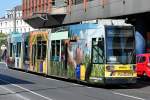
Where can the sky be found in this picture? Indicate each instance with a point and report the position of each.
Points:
(8, 4)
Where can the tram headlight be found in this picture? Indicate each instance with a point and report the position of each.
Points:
(109, 68)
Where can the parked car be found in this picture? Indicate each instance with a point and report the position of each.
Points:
(143, 64)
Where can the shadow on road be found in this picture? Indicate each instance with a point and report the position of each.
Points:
(141, 83)
(5, 79)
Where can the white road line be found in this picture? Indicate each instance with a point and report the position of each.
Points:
(76, 84)
(52, 79)
(129, 96)
(89, 87)
(12, 92)
(47, 98)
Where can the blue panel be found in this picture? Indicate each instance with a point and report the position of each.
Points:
(75, 30)
(16, 37)
(78, 71)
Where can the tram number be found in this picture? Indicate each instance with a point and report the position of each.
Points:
(124, 74)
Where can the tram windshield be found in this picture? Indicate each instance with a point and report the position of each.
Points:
(120, 45)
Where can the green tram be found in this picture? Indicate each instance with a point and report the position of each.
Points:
(93, 53)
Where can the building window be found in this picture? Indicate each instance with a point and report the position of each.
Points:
(18, 14)
(20, 22)
(17, 22)
(24, 29)
(5, 23)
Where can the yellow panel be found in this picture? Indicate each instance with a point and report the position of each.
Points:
(120, 71)
(45, 67)
(122, 67)
(82, 72)
(37, 67)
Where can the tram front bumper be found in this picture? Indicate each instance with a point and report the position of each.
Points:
(120, 80)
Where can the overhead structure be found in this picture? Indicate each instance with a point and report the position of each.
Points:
(60, 12)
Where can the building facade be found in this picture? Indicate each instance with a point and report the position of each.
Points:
(13, 22)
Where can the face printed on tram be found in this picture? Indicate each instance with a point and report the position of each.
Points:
(75, 55)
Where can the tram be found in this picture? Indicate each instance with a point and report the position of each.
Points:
(97, 53)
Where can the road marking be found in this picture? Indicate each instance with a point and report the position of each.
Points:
(12, 92)
(125, 95)
(52, 79)
(77, 84)
(47, 98)
(89, 87)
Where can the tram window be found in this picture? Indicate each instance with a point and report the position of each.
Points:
(142, 59)
(11, 48)
(14, 49)
(57, 50)
(53, 50)
(33, 54)
(41, 48)
(18, 51)
(26, 48)
(44, 50)
(98, 50)
(62, 51)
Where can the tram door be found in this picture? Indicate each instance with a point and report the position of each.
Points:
(41, 55)
(98, 50)
(17, 48)
(33, 58)
(98, 61)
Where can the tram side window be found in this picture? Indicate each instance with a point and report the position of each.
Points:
(63, 51)
(33, 54)
(26, 48)
(14, 49)
(44, 50)
(11, 49)
(18, 51)
(98, 50)
(55, 50)
(41, 48)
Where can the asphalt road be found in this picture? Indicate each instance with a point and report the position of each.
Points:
(16, 85)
